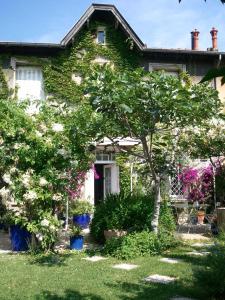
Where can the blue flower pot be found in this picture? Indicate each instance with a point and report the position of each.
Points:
(20, 238)
(76, 242)
(82, 220)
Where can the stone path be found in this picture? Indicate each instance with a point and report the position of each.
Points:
(156, 278)
(202, 245)
(196, 253)
(127, 267)
(170, 260)
(94, 258)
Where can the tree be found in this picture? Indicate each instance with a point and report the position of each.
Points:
(152, 109)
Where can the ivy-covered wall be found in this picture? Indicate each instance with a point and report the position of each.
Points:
(77, 59)
(4, 89)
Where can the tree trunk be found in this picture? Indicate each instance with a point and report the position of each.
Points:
(156, 211)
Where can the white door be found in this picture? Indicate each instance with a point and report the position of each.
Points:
(107, 180)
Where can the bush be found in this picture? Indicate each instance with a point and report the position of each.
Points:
(138, 244)
(131, 213)
(211, 276)
(80, 207)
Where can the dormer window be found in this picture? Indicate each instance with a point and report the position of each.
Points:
(101, 36)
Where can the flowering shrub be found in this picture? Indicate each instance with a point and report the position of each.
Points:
(197, 183)
(39, 157)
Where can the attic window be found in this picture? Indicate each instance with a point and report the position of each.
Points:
(101, 36)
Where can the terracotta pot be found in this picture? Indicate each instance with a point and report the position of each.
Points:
(114, 233)
(201, 217)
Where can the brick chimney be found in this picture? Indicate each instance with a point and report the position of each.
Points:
(214, 39)
(194, 39)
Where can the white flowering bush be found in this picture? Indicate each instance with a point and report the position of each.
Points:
(36, 154)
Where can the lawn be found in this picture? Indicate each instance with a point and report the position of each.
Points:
(68, 276)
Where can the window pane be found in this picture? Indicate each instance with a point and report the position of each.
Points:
(101, 37)
(29, 81)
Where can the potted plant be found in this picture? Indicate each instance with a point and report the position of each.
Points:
(20, 237)
(76, 239)
(201, 217)
(81, 211)
(114, 227)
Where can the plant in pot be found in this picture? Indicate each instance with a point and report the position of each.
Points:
(19, 235)
(114, 227)
(76, 239)
(81, 211)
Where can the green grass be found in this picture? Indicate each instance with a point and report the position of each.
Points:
(67, 277)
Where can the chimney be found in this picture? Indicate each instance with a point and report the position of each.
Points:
(214, 39)
(194, 39)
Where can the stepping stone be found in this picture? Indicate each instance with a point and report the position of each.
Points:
(5, 251)
(170, 260)
(94, 258)
(160, 279)
(201, 245)
(125, 266)
(203, 253)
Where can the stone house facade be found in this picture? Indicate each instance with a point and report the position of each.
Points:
(25, 76)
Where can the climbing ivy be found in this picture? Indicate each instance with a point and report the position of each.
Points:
(76, 61)
(4, 90)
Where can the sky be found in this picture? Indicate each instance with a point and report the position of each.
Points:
(159, 23)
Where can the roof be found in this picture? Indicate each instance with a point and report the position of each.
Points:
(183, 51)
(51, 48)
(107, 8)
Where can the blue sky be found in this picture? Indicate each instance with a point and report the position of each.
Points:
(159, 23)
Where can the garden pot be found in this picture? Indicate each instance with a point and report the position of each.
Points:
(76, 242)
(82, 220)
(108, 234)
(201, 217)
(20, 238)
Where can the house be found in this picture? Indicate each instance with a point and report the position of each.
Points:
(100, 36)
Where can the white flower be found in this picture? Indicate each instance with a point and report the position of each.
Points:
(43, 127)
(63, 152)
(26, 180)
(4, 193)
(38, 133)
(45, 223)
(7, 178)
(1, 140)
(52, 227)
(57, 197)
(39, 236)
(30, 195)
(13, 170)
(17, 146)
(43, 181)
(57, 127)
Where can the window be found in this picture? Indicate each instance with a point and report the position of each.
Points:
(101, 36)
(29, 81)
(169, 69)
(104, 156)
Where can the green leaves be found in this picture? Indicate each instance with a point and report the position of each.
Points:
(213, 73)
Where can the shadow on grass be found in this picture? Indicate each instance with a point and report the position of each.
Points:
(153, 291)
(68, 295)
(50, 259)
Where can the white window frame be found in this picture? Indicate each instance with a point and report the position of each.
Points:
(167, 67)
(98, 30)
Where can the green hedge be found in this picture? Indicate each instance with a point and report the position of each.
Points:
(132, 213)
(139, 244)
